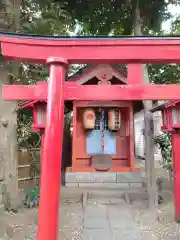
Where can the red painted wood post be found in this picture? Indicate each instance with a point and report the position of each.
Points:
(176, 167)
(51, 167)
(135, 74)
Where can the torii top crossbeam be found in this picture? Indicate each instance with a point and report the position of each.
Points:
(38, 49)
(34, 48)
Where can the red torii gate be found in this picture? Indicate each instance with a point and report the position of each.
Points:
(58, 52)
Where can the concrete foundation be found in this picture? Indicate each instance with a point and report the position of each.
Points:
(104, 179)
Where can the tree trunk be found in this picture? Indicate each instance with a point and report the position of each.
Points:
(149, 126)
(8, 116)
(8, 147)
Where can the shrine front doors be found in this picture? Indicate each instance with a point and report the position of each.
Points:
(94, 137)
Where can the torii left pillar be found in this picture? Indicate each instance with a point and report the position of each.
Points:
(51, 162)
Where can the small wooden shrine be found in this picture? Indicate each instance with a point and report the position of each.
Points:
(103, 134)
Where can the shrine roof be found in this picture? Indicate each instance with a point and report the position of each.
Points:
(29, 104)
(100, 37)
(119, 67)
(167, 104)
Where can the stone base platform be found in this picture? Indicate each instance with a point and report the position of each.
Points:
(104, 179)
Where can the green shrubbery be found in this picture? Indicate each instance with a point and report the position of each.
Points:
(163, 141)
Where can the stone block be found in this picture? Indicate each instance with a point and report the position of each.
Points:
(96, 223)
(69, 184)
(123, 185)
(95, 211)
(93, 177)
(96, 234)
(129, 177)
(118, 211)
(104, 185)
(70, 177)
(104, 200)
(122, 223)
(136, 185)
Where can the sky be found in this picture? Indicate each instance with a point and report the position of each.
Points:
(175, 10)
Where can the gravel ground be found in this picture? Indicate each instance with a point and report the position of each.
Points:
(23, 225)
(157, 225)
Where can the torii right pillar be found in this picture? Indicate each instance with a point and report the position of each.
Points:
(176, 167)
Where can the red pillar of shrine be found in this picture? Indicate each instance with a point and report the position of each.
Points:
(51, 162)
(176, 167)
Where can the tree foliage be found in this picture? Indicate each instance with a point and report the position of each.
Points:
(116, 17)
(163, 141)
(164, 74)
(49, 18)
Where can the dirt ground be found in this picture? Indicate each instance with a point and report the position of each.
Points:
(161, 227)
(157, 225)
(23, 225)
